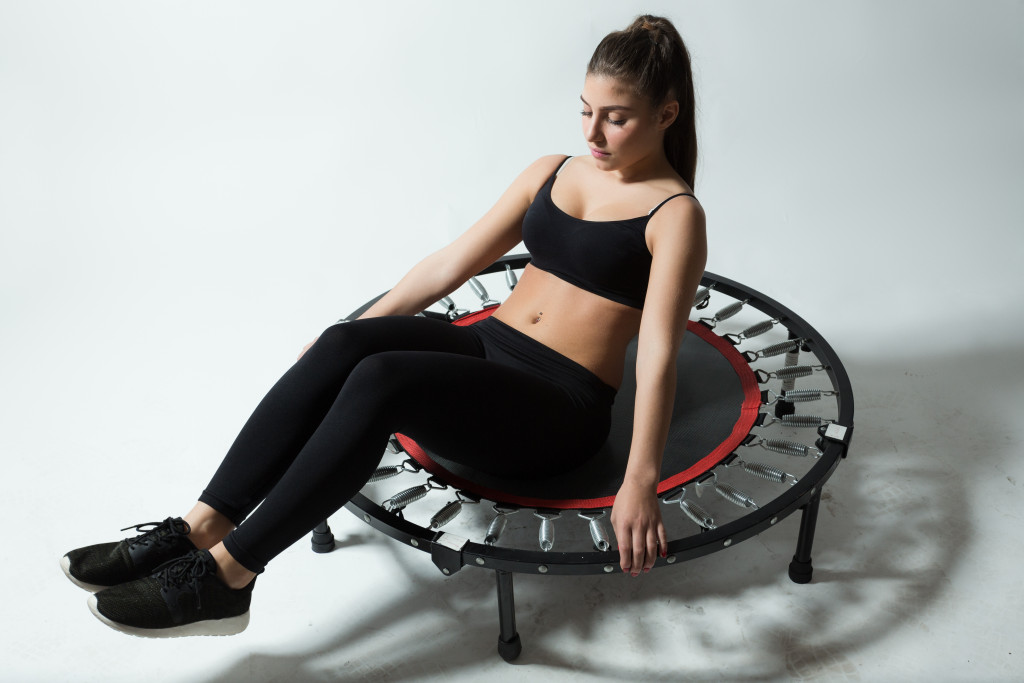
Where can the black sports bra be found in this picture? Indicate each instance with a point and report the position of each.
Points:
(608, 258)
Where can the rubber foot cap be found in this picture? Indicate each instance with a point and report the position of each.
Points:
(800, 572)
(510, 650)
(323, 543)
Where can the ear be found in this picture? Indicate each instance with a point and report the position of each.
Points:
(667, 114)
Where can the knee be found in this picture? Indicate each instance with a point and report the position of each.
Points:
(373, 375)
(334, 335)
(381, 382)
(336, 343)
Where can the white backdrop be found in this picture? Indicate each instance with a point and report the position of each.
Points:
(273, 164)
(190, 191)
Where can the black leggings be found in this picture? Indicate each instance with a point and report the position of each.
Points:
(485, 395)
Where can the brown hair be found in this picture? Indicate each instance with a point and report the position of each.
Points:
(652, 59)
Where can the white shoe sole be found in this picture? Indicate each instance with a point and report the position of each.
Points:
(65, 564)
(209, 627)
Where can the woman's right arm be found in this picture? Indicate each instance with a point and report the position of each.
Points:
(444, 271)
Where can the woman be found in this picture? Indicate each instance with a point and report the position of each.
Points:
(618, 247)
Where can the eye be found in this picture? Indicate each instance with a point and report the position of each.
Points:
(586, 113)
(617, 122)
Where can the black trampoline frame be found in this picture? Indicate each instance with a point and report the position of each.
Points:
(451, 553)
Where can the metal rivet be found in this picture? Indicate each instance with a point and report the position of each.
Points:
(445, 571)
(366, 518)
(480, 560)
(543, 569)
(414, 542)
(813, 489)
(728, 542)
(608, 569)
(671, 559)
(774, 519)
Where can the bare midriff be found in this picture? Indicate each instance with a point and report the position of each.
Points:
(581, 325)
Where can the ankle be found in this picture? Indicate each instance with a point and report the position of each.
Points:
(229, 571)
(207, 527)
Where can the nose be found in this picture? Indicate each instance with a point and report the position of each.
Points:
(592, 129)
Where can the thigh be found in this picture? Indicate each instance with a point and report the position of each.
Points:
(348, 343)
(498, 419)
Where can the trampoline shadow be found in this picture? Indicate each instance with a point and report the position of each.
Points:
(893, 525)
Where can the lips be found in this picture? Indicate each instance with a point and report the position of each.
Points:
(599, 154)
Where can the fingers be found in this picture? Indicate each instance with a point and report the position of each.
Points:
(652, 549)
(640, 548)
(625, 552)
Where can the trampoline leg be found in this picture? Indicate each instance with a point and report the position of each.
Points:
(509, 645)
(783, 408)
(800, 568)
(323, 539)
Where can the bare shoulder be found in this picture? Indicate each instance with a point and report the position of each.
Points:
(681, 221)
(537, 173)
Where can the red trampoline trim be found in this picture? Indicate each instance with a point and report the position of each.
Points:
(748, 415)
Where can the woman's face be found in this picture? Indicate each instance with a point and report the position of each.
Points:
(620, 127)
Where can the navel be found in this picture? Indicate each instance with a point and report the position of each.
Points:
(537, 319)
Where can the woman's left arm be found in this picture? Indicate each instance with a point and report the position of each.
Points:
(676, 238)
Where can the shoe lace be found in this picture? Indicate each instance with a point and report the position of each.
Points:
(186, 571)
(158, 532)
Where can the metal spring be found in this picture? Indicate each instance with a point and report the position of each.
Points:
(386, 472)
(449, 307)
(728, 311)
(547, 530)
(510, 278)
(597, 532)
(699, 515)
(785, 447)
(734, 495)
(760, 469)
(793, 372)
(701, 296)
(478, 289)
(778, 349)
(495, 528)
(795, 420)
(758, 329)
(400, 500)
(446, 514)
(805, 395)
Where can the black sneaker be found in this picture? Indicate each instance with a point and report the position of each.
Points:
(96, 567)
(182, 598)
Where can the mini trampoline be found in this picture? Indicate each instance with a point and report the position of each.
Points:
(743, 452)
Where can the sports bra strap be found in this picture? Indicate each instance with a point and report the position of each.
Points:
(563, 164)
(681, 194)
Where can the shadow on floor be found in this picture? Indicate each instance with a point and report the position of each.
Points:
(894, 522)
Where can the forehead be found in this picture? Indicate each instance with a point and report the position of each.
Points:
(605, 91)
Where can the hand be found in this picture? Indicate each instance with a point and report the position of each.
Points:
(636, 519)
(306, 348)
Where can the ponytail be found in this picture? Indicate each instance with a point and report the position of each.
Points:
(650, 57)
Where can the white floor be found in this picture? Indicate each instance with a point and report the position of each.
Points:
(916, 559)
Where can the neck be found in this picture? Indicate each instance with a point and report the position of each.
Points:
(653, 165)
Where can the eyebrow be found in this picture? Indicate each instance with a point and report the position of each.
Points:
(611, 107)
